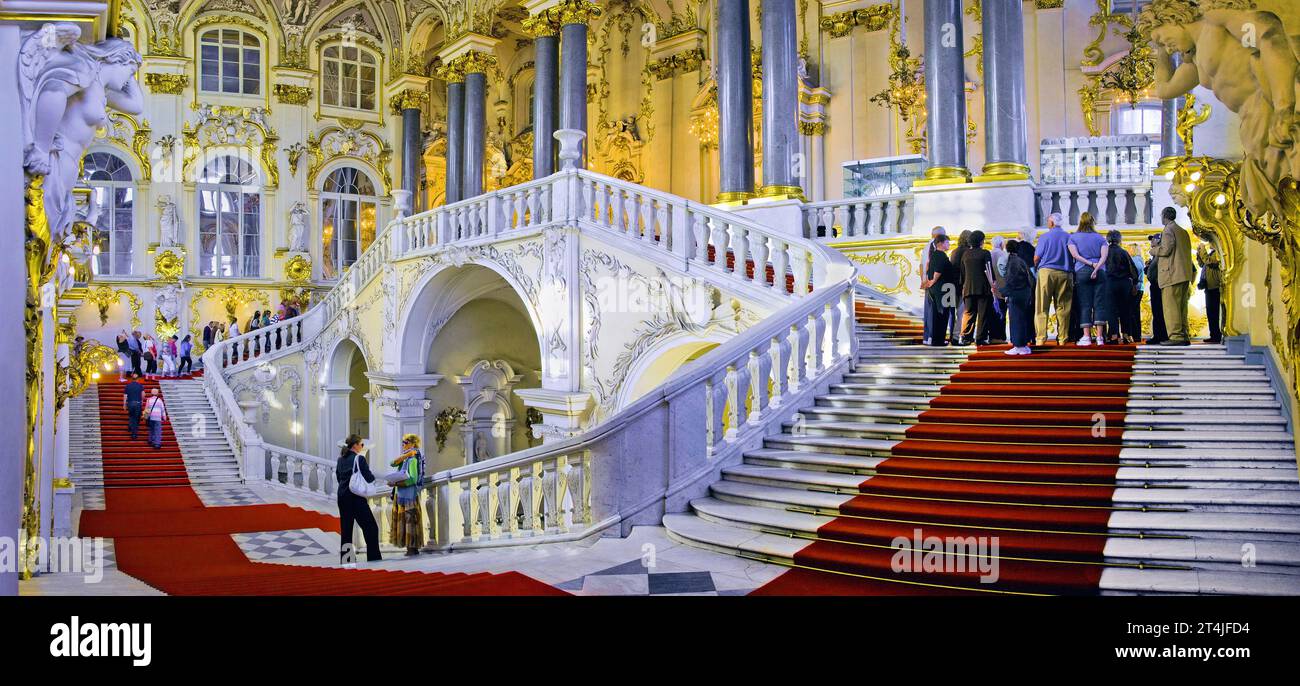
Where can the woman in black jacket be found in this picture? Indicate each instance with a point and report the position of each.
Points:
(352, 507)
(1017, 286)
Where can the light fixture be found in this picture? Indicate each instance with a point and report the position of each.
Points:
(1196, 176)
(1189, 187)
(1169, 175)
(1221, 199)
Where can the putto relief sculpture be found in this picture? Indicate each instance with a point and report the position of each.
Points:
(66, 89)
(1245, 57)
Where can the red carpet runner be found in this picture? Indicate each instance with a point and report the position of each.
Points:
(1006, 450)
(165, 536)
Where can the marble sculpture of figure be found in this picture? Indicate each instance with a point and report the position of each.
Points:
(1245, 57)
(66, 89)
(168, 221)
(298, 228)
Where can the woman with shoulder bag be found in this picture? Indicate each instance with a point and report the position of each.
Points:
(353, 506)
(408, 526)
(1121, 285)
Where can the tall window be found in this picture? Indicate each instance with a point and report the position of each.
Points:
(348, 77)
(114, 195)
(230, 61)
(1143, 120)
(230, 209)
(348, 203)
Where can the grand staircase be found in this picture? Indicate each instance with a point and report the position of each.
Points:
(103, 455)
(1112, 470)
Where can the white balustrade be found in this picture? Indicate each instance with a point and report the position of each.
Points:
(728, 398)
(885, 215)
(1110, 204)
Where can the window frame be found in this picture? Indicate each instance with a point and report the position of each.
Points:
(340, 62)
(333, 258)
(242, 47)
(111, 210)
(252, 186)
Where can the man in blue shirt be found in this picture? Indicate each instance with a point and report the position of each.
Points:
(1055, 281)
(133, 401)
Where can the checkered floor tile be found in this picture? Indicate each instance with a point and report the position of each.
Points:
(635, 578)
(92, 498)
(276, 545)
(227, 496)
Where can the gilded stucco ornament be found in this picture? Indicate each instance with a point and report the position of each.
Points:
(291, 95)
(167, 84)
(104, 296)
(169, 264)
(873, 18)
(298, 268)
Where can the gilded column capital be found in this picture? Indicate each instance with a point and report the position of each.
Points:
(575, 12)
(474, 62)
(292, 95)
(409, 99)
(540, 24)
(451, 73)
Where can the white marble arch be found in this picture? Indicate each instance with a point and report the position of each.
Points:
(335, 418)
(663, 360)
(437, 296)
(487, 385)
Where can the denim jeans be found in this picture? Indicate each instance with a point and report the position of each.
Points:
(1091, 297)
(155, 433)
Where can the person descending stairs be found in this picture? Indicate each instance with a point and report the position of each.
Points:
(1121, 469)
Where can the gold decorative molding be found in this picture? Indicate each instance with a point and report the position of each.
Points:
(104, 296)
(575, 12)
(475, 62)
(230, 296)
(249, 127)
(1102, 20)
(538, 25)
(812, 128)
(169, 84)
(1049, 4)
(873, 18)
(291, 95)
(1188, 119)
(680, 63)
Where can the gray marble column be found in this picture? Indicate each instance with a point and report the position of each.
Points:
(545, 102)
(455, 141)
(1171, 145)
(412, 149)
(780, 98)
(475, 133)
(735, 102)
(1004, 90)
(945, 91)
(573, 82)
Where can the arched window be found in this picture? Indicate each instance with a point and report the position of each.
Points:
(348, 77)
(348, 204)
(230, 212)
(114, 195)
(230, 61)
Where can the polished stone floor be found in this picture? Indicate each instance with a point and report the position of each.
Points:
(647, 562)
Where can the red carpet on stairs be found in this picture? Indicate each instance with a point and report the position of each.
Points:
(164, 535)
(1007, 450)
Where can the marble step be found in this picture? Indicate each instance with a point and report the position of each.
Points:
(1200, 499)
(1202, 421)
(1136, 437)
(1275, 573)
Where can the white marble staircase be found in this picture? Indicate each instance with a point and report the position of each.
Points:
(209, 460)
(85, 468)
(1207, 472)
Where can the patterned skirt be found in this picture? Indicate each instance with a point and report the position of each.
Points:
(408, 526)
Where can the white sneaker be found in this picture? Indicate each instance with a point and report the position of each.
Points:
(1085, 341)
(1013, 351)
(1026, 351)
(1101, 340)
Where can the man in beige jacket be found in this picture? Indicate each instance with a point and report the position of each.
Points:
(1175, 270)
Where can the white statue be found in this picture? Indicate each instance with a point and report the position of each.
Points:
(298, 228)
(296, 11)
(168, 301)
(1258, 82)
(168, 221)
(66, 89)
(480, 447)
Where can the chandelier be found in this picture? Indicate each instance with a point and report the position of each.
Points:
(1135, 72)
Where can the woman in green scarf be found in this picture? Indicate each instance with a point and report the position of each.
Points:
(408, 525)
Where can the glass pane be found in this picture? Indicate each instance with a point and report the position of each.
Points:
(208, 52)
(329, 264)
(210, 82)
(350, 53)
(367, 224)
(230, 82)
(251, 87)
